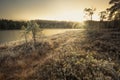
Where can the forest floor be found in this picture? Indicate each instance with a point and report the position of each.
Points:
(90, 54)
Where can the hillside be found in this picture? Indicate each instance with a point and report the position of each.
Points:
(74, 55)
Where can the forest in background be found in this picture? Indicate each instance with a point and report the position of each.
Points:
(17, 25)
(109, 18)
(89, 54)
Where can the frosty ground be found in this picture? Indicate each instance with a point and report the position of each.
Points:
(90, 54)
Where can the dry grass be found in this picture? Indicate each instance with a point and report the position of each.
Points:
(74, 55)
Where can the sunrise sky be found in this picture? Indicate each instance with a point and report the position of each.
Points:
(70, 10)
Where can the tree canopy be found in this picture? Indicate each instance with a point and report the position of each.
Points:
(114, 9)
(89, 12)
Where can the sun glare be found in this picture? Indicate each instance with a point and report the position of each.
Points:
(68, 16)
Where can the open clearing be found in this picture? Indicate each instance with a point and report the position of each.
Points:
(75, 55)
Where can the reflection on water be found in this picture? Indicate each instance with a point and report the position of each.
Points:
(13, 35)
(10, 35)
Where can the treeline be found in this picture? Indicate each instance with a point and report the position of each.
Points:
(58, 24)
(10, 24)
(16, 25)
(114, 24)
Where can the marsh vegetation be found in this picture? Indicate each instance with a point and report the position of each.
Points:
(88, 54)
(91, 52)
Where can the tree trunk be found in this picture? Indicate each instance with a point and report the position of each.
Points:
(91, 17)
(34, 37)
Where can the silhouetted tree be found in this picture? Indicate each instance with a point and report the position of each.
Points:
(103, 15)
(114, 9)
(117, 15)
(89, 12)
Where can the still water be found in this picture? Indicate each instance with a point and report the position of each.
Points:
(14, 35)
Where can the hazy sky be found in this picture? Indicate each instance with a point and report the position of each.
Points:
(49, 9)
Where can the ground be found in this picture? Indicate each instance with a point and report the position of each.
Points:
(88, 54)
